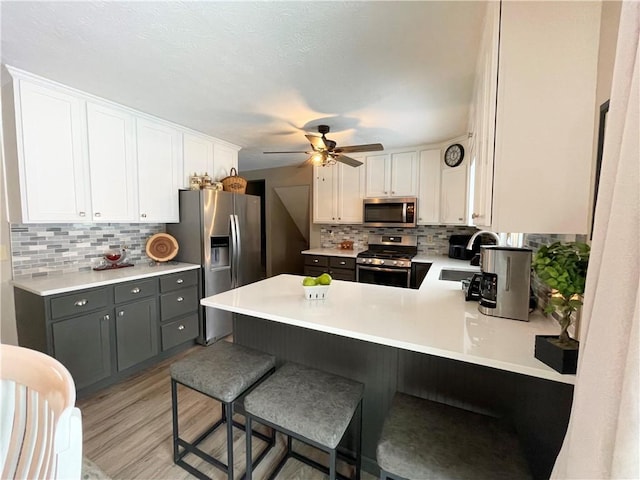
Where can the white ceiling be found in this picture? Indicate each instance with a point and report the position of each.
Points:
(261, 74)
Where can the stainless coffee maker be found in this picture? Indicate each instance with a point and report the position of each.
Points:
(505, 283)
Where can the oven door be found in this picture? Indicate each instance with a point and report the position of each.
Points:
(392, 277)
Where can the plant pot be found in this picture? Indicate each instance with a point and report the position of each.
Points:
(562, 358)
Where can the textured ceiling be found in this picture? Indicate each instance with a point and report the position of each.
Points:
(261, 74)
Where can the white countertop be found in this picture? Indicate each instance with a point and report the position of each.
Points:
(69, 282)
(334, 252)
(434, 319)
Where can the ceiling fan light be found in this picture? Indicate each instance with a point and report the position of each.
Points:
(318, 158)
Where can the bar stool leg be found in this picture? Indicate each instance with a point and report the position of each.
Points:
(247, 426)
(174, 414)
(332, 464)
(228, 407)
(359, 443)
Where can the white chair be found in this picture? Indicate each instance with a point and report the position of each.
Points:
(40, 428)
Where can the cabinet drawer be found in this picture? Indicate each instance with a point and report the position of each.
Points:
(175, 281)
(134, 290)
(314, 271)
(177, 303)
(79, 302)
(180, 331)
(316, 260)
(343, 274)
(342, 262)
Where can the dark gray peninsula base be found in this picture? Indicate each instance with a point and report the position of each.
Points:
(538, 408)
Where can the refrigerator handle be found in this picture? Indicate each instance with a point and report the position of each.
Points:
(234, 248)
(238, 250)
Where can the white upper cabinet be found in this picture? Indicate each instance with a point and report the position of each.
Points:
(159, 171)
(197, 156)
(53, 174)
(324, 194)
(338, 194)
(429, 187)
(538, 179)
(453, 198)
(72, 157)
(225, 157)
(112, 160)
(391, 175)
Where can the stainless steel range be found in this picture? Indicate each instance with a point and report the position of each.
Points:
(388, 260)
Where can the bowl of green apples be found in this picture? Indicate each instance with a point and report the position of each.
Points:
(316, 288)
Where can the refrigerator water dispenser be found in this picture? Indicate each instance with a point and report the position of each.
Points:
(219, 251)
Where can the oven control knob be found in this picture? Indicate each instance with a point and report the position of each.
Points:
(395, 263)
(381, 262)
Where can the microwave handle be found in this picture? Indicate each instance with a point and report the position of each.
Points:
(404, 212)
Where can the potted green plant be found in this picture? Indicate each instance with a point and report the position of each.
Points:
(563, 268)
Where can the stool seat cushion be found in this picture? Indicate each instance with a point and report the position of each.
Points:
(422, 439)
(314, 404)
(223, 370)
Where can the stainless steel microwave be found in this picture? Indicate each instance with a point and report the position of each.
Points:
(390, 212)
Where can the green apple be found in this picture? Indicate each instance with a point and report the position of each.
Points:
(324, 279)
(309, 282)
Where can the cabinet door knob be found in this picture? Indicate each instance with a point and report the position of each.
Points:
(339, 218)
(180, 299)
(180, 327)
(82, 214)
(135, 290)
(475, 215)
(144, 215)
(81, 303)
(97, 214)
(393, 193)
(121, 313)
(179, 281)
(106, 317)
(460, 218)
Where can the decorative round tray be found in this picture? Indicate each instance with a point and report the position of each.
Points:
(162, 247)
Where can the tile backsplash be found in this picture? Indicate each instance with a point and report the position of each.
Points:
(432, 239)
(48, 249)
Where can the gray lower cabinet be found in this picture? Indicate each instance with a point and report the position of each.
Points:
(103, 334)
(136, 332)
(83, 345)
(340, 268)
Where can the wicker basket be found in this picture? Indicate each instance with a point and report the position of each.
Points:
(234, 183)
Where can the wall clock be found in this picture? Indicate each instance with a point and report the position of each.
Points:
(453, 155)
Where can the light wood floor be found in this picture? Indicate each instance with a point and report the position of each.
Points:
(128, 433)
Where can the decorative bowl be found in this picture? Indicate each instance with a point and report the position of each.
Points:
(316, 292)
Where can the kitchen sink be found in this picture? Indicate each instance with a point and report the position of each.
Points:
(456, 275)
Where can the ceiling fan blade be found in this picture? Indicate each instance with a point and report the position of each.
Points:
(352, 162)
(299, 151)
(317, 143)
(370, 147)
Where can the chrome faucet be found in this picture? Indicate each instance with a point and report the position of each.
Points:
(477, 234)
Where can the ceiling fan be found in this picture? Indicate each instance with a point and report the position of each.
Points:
(324, 151)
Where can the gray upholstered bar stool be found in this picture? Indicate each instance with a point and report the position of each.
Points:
(224, 371)
(312, 406)
(422, 439)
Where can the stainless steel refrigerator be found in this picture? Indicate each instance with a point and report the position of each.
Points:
(220, 231)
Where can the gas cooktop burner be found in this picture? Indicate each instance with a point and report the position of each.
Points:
(389, 251)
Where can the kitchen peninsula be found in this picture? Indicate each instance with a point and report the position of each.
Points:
(427, 342)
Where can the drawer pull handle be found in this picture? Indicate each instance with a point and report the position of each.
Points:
(106, 317)
(315, 260)
(121, 313)
(180, 299)
(343, 263)
(135, 290)
(82, 214)
(98, 214)
(81, 303)
(181, 327)
(179, 281)
(144, 215)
